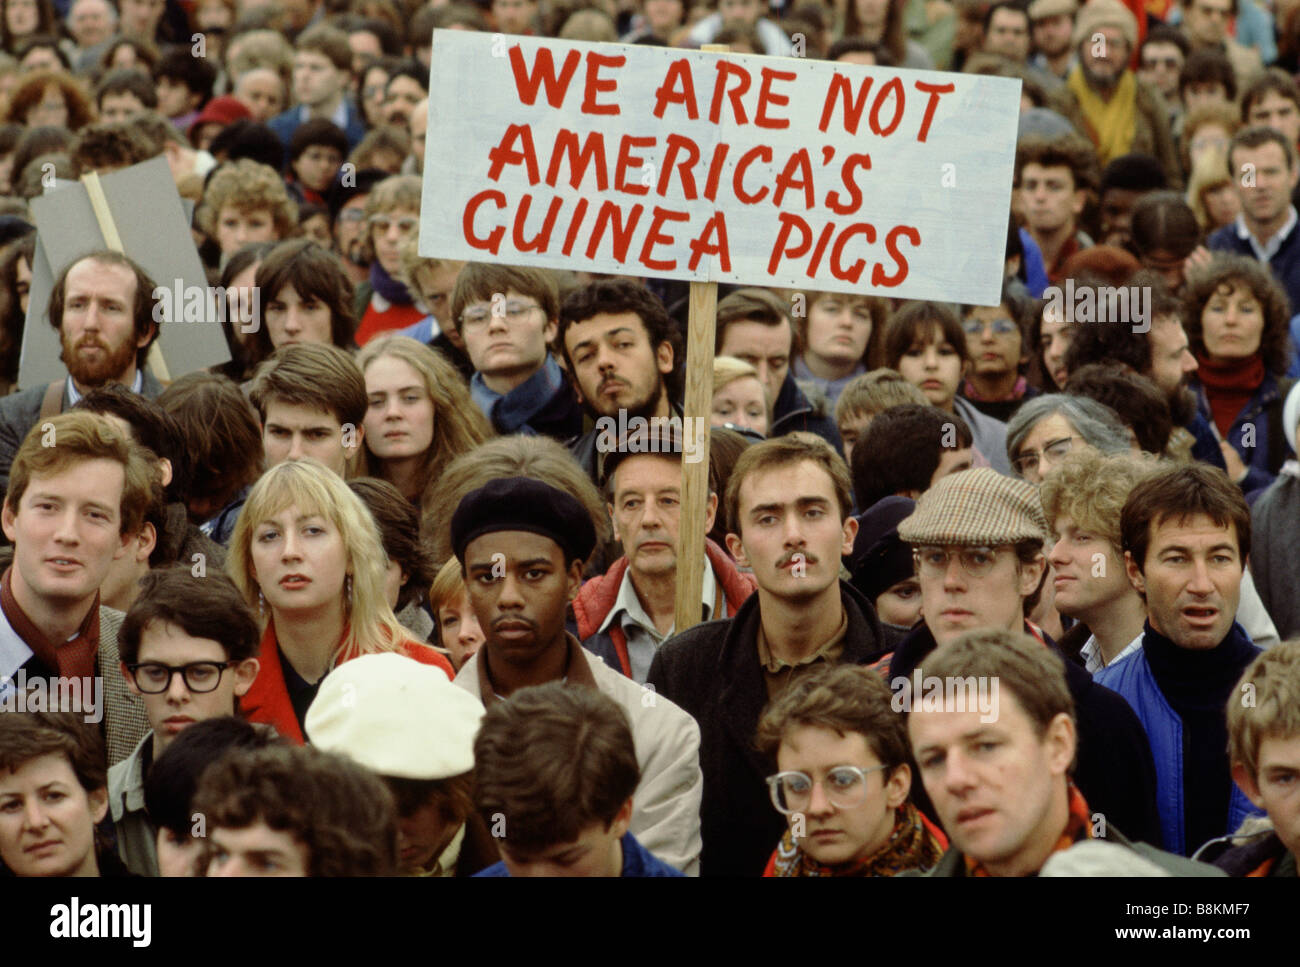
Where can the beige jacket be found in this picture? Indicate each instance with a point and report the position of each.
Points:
(666, 807)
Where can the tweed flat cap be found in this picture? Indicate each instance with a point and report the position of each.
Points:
(976, 507)
(397, 717)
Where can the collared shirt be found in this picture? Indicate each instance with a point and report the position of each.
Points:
(74, 397)
(445, 863)
(14, 653)
(643, 638)
(137, 842)
(1091, 652)
(339, 117)
(1269, 248)
(778, 673)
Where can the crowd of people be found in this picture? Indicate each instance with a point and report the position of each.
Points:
(987, 590)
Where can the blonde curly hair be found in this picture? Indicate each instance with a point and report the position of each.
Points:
(1090, 487)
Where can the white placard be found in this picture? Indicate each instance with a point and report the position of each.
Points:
(773, 171)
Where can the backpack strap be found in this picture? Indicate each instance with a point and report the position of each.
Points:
(52, 401)
(1277, 445)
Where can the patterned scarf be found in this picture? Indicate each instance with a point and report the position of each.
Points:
(1077, 827)
(912, 845)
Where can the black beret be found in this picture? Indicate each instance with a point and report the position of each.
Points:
(880, 559)
(524, 504)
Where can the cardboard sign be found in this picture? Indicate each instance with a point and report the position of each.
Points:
(758, 170)
(154, 226)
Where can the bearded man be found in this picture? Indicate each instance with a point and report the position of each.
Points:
(103, 307)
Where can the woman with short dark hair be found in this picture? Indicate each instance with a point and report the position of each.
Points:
(1237, 327)
(53, 793)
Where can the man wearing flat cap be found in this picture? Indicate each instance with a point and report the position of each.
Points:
(522, 545)
(409, 725)
(977, 543)
(1120, 113)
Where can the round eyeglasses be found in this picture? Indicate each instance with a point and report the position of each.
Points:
(975, 561)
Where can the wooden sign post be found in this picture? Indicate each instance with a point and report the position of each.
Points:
(701, 333)
(695, 475)
(767, 171)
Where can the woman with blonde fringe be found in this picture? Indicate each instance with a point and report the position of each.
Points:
(307, 555)
(420, 417)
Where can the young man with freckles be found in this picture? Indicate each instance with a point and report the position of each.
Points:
(522, 545)
(790, 500)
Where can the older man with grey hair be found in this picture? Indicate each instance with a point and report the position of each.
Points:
(1046, 428)
(91, 24)
(977, 543)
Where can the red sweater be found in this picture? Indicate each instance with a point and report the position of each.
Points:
(394, 317)
(268, 700)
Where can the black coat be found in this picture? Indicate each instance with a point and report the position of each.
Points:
(712, 671)
(1113, 768)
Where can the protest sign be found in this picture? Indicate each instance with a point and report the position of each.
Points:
(681, 164)
(145, 215)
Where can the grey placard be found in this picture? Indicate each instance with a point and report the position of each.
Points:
(154, 225)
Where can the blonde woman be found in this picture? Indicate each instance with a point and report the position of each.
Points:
(420, 415)
(739, 396)
(1210, 192)
(306, 554)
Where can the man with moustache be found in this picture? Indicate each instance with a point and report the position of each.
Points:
(103, 308)
(790, 501)
(522, 545)
(624, 353)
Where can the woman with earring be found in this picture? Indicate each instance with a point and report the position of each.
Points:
(306, 553)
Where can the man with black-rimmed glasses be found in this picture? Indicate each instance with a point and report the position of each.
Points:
(187, 649)
(977, 538)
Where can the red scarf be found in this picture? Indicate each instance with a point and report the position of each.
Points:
(74, 658)
(1078, 826)
(1229, 386)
